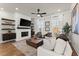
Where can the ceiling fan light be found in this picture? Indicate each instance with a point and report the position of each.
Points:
(58, 10)
(38, 15)
(17, 8)
(2, 8)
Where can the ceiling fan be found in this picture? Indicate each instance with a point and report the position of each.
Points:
(38, 13)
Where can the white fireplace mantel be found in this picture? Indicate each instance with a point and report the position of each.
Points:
(18, 34)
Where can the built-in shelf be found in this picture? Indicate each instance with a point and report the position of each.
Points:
(7, 29)
(8, 19)
(32, 23)
(23, 28)
(8, 24)
(32, 26)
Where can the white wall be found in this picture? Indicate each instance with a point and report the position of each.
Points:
(62, 18)
(39, 24)
(14, 16)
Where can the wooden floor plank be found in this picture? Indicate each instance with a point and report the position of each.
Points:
(7, 49)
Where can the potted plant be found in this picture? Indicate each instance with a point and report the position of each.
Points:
(66, 29)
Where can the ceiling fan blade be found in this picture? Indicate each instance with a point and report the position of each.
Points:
(33, 13)
(38, 13)
(38, 10)
(43, 13)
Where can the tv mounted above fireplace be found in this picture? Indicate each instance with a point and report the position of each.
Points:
(25, 22)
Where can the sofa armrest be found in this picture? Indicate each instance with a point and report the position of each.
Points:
(68, 50)
(44, 52)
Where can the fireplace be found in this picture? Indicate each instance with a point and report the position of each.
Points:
(23, 34)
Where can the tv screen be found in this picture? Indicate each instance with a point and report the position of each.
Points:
(24, 22)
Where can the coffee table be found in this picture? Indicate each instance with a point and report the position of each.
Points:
(34, 42)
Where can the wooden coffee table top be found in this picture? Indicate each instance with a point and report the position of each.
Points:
(36, 40)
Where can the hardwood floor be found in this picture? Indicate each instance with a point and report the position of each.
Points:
(74, 53)
(7, 49)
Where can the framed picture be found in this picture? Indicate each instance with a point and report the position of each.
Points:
(47, 28)
(75, 19)
(47, 23)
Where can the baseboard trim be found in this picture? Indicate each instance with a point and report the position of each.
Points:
(7, 41)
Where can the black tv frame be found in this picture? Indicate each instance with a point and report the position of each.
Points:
(27, 24)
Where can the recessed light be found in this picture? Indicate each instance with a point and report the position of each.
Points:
(58, 10)
(2, 8)
(16, 8)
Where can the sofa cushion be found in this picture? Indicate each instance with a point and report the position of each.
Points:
(68, 50)
(60, 46)
(53, 42)
(49, 43)
(44, 52)
(46, 44)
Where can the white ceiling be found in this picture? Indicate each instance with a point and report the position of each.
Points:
(27, 8)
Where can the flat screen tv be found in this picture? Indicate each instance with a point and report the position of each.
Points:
(24, 22)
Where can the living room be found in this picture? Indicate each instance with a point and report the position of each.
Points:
(33, 29)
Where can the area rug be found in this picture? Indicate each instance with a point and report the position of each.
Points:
(25, 48)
